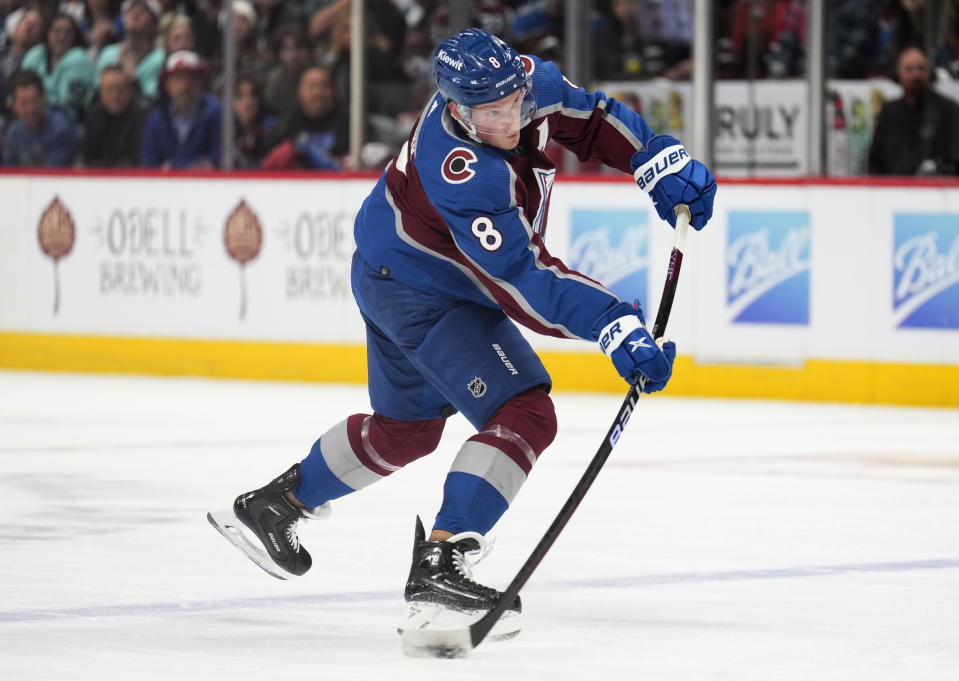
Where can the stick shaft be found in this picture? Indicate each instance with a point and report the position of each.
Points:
(672, 274)
(480, 628)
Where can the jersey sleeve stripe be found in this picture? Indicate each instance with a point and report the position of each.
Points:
(624, 130)
(514, 305)
(534, 246)
(405, 236)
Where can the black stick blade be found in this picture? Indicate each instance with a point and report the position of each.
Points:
(441, 643)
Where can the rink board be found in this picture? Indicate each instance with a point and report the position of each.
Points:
(844, 291)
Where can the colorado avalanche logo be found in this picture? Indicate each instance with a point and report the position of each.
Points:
(528, 64)
(456, 165)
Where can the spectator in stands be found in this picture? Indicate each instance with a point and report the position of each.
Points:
(292, 53)
(113, 127)
(100, 26)
(644, 39)
(947, 58)
(64, 66)
(539, 24)
(251, 123)
(176, 31)
(787, 49)
(666, 32)
(314, 135)
(11, 12)
(23, 29)
(618, 50)
(7, 8)
(184, 129)
(250, 58)
(751, 24)
(919, 132)
(853, 38)
(206, 28)
(323, 16)
(138, 54)
(432, 24)
(904, 25)
(387, 84)
(40, 136)
(274, 14)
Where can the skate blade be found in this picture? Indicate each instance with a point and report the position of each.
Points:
(436, 618)
(227, 524)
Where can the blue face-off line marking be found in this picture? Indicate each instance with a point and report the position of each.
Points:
(142, 609)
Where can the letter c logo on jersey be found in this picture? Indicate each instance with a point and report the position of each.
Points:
(456, 165)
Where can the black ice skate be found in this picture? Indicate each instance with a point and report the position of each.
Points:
(272, 519)
(441, 586)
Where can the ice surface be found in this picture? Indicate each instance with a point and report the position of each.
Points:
(724, 540)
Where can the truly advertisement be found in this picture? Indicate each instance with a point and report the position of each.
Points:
(768, 267)
(612, 247)
(760, 127)
(925, 264)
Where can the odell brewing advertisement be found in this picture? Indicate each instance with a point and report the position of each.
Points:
(147, 251)
(315, 244)
(56, 235)
(194, 258)
(243, 238)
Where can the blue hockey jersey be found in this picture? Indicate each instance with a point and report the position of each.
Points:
(467, 220)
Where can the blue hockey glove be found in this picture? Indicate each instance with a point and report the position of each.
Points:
(314, 151)
(623, 337)
(666, 172)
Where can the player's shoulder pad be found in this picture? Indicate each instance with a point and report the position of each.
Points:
(551, 85)
(458, 173)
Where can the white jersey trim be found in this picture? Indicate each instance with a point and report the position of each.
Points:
(398, 225)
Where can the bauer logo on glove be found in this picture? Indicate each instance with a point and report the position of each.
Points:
(616, 331)
(669, 160)
(671, 177)
(623, 338)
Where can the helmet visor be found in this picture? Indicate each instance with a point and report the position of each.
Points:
(505, 116)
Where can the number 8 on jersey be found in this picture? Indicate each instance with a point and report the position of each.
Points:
(489, 237)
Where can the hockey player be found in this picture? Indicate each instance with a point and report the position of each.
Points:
(450, 252)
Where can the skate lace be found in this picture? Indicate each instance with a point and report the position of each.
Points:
(465, 560)
(291, 534)
(306, 514)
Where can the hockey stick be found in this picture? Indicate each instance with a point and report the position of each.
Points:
(458, 642)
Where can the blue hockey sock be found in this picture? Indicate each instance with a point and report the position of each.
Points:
(470, 504)
(318, 484)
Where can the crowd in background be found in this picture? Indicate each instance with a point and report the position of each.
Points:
(101, 83)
